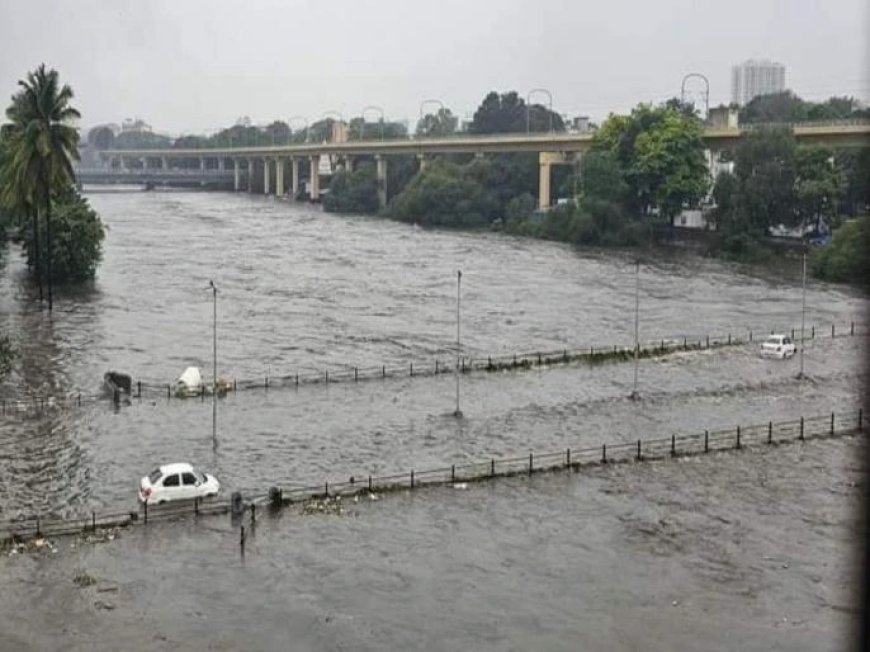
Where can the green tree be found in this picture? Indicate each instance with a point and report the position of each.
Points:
(774, 108)
(359, 129)
(277, 133)
(506, 113)
(353, 192)
(602, 177)
(845, 259)
(43, 143)
(819, 183)
(437, 125)
(764, 165)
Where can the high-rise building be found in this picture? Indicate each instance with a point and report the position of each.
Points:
(756, 77)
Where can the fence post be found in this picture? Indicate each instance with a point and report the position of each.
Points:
(750, 336)
(412, 478)
(327, 379)
(253, 512)
(242, 539)
(568, 458)
(138, 389)
(770, 432)
(168, 391)
(729, 339)
(463, 364)
(196, 506)
(852, 329)
(326, 489)
(860, 419)
(801, 436)
(604, 453)
(832, 423)
(832, 331)
(412, 369)
(708, 341)
(738, 438)
(452, 473)
(792, 335)
(539, 359)
(638, 450)
(146, 511)
(356, 373)
(531, 462)
(93, 521)
(706, 441)
(673, 445)
(79, 400)
(383, 371)
(684, 342)
(436, 367)
(370, 482)
(38, 532)
(813, 332)
(492, 468)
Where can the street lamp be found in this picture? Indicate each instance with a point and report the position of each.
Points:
(803, 312)
(634, 394)
(372, 107)
(424, 103)
(706, 81)
(458, 413)
(529, 107)
(214, 387)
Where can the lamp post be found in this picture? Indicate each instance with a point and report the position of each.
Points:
(803, 312)
(706, 81)
(529, 107)
(634, 394)
(371, 107)
(458, 413)
(214, 365)
(424, 103)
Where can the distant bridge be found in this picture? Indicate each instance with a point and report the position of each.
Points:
(174, 165)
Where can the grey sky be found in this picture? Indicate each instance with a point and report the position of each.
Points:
(191, 66)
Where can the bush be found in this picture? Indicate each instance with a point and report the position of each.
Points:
(77, 234)
(847, 257)
(353, 192)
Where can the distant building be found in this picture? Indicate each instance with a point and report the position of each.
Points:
(756, 77)
(722, 117)
(580, 124)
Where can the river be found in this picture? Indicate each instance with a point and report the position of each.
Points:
(300, 290)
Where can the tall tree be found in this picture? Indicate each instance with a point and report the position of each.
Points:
(44, 142)
(508, 113)
(441, 123)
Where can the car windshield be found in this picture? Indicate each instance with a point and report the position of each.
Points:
(154, 476)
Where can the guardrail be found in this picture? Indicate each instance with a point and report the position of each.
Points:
(592, 354)
(641, 450)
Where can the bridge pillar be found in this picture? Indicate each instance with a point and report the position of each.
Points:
(237, 174)
(348, 163)
(421, 160)
(545, 161)
(250, 175)
(314, 181)
(381, 162)
(165, 162)
(221, 164)
(266, 175)
(202, 163)
(279, 177)
(294, 180)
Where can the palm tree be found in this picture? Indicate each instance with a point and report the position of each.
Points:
(43, 144)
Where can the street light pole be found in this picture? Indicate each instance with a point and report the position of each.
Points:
(803, 312)
(529, 107)
(214, 364)
(634, 395)
(458, 413)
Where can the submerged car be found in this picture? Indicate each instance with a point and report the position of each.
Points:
(179, 481)
(777, 346)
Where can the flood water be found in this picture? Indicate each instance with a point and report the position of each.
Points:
(747, 550)
(301, 290)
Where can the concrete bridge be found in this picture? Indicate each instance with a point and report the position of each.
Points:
(231, 164)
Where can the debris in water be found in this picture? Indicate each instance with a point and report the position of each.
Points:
(105, 606)
(83, 579)
(461, 485)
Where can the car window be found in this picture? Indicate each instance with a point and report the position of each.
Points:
(787, 340)
(154, 476)
(171, 481)
(188, 478)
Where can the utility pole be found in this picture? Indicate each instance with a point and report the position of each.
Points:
(803, 312)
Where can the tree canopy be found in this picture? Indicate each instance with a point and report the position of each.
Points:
(507, 113)
(438, 124)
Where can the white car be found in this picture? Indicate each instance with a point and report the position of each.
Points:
(178, 481)
(778, 346)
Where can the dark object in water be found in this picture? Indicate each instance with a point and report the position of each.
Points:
(117, 383)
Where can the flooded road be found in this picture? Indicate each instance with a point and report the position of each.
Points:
(301, 290)
(742, 550)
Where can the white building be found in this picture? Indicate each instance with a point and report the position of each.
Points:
(756, 77)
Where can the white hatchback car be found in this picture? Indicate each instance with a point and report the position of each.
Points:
(778, 346)
(178, 481)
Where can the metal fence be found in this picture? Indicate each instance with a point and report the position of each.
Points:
(676, 445)
(592, 354)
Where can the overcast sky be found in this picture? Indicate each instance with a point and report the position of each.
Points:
(194, 66)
